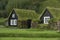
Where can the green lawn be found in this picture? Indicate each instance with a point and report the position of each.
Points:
(28, 33)
(17, 38)
(12, 30)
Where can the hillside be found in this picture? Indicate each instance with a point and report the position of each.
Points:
(37, 5)
(50, 3)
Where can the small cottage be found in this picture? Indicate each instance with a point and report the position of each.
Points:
(21, 17)
(48, 14)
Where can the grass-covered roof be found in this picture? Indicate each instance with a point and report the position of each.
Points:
(24, 14)
(54, 11)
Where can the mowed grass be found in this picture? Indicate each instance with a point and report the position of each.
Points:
(18, 38)
(28, 33)
(13, 30)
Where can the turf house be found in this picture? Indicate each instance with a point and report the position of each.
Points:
(29, 18)
(49, 14)
(21, 18)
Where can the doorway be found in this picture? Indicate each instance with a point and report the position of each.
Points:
(29, 23)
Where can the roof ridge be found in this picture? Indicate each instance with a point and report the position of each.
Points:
(23, 9)
(52, 8)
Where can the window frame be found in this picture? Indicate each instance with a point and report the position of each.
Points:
(13, 15)
(48, 17)
(13, 22)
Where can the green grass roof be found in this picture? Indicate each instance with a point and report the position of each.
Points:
(24, 14)
(54, 11)
(49, 3)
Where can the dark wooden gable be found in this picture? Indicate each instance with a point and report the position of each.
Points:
(13, 12)
(10, 17)
(46, 13)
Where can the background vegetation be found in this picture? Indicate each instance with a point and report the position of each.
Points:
(38, 5)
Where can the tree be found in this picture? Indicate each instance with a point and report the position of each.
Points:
(24, 4)
(3, 4)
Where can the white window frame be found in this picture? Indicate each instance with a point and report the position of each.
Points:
(13, 22)
(13, 15)
(45, 19)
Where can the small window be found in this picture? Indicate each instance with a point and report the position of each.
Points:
(13, 15)
(13, 22)
(46, 20)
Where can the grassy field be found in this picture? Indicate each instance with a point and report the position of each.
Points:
(28, 33)
(17, 38)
